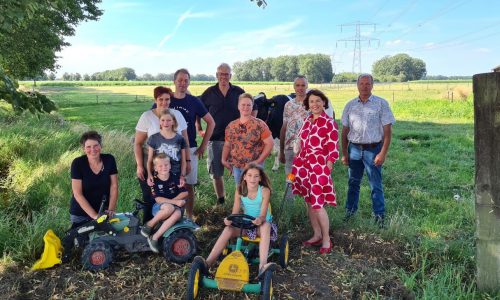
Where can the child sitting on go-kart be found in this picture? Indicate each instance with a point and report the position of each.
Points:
(253, 196)
(170, 199)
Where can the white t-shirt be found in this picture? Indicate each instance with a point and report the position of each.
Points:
(150, 123)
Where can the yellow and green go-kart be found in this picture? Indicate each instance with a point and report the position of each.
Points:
(233, 272)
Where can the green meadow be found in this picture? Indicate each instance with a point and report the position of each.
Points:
(428, 176)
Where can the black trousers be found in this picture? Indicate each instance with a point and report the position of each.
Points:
(146, 198)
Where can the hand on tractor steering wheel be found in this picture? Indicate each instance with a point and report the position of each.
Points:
(242, 221)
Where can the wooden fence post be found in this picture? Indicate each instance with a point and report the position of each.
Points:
(486, 89)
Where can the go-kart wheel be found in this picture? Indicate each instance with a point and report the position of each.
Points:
(179, 246)
(97, 256)
(194, 279)
(267, 285)
(283, 258)
(242, 221)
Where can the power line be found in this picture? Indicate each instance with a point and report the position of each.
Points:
(463, 43)
(380, 9)
(357, 39)
(399, 15)
(448, 42)
(442, 11)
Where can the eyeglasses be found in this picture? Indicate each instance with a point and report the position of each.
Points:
(243, 128)
(224, 74)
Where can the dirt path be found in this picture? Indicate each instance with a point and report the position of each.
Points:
(360, 265)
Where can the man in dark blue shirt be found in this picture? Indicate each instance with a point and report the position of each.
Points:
(191, 108)
(221, 100)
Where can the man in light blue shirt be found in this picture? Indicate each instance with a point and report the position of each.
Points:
(366, 135)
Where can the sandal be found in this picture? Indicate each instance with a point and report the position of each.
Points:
(327, 250)
(315, 243)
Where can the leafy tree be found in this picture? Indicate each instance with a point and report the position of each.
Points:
(161, 77)
(116, 75)
(66, 76)
(316, 67)
(279, 68)
(21, 101)
(345, 77)
(241, 71)
(147, 77)
(86, 77)
(202, 77)
(77, 77)
(400, 67)
(31, 32)
(266, 69)
(52, 76)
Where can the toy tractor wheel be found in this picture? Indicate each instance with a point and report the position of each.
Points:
(97, 256)
(267, 285)
(284, 249)
(179, 246)
(194, 280)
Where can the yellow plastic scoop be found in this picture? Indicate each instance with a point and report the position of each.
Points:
(52, 252)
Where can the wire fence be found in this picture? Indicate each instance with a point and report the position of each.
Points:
(337, 93)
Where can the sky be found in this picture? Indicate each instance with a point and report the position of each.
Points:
(458, 37)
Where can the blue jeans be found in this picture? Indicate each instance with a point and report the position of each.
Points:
(359, 160)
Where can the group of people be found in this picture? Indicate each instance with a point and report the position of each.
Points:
(167, 155)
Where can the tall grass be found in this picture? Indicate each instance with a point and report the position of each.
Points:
(431, 160)
(35, 187)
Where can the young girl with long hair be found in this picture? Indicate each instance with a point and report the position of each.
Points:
(168, 141)
(253, 195)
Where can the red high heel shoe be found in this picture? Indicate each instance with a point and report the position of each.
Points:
(309, 244)
(326, 250)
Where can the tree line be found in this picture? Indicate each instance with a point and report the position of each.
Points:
(397, 68)
(120, 74)
(316, 67)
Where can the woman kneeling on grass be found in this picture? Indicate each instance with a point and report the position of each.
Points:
(253, 195)
(170, 199)
(94, 176)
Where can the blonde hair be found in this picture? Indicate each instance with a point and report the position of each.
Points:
(160, 156)
(168, 112)
(245, 96)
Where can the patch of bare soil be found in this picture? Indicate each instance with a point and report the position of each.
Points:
(360, 265)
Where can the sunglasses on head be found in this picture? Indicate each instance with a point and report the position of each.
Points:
(243, 128)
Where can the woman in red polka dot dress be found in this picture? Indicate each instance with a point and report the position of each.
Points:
(313, 165)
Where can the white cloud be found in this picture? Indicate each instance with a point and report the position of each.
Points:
(186, 15)
(393, 43)
(483, 50)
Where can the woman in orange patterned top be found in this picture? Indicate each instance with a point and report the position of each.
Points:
(247, 140)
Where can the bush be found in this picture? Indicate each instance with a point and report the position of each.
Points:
(345, 77)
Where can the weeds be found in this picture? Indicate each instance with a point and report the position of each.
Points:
(430, 161)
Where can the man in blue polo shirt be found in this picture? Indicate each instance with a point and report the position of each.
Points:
(221, 100)
(191, 109)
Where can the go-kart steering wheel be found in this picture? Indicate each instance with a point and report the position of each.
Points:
(242, 221)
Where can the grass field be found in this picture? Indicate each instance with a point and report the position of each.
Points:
(428, 178)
